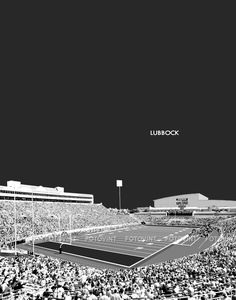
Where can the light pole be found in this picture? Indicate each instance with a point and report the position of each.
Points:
(33, 223)
(70, 229)
(59, 227)
(119, 184)
(15, 217)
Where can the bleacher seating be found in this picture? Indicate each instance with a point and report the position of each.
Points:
(210, 274)
(54, 216)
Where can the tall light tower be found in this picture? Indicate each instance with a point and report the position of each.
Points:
(70, 228)
(15, 225)
(119, 184)
(33, 223)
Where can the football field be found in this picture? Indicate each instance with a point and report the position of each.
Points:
(125, 247)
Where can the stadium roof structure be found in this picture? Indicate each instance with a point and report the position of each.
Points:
(193, 201)
(22, 192)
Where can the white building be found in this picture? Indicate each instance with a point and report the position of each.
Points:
(22, 192)
(195, 201)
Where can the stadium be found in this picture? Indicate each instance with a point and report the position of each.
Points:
(62, 245)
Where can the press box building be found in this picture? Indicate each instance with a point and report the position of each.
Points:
(15, 190)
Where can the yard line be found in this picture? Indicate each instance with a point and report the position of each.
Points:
(122, 237)
(106, 247)
(205, 239)
(123, 247)
(130, 252)
(118, 245)
(123, 244)
(126, 245)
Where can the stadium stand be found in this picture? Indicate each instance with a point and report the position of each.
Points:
(179, 220)
(210, 274)
(54, 216)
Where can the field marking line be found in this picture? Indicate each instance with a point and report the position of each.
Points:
(205, 240)
(147, 257)
(123, 247)
(184, 245)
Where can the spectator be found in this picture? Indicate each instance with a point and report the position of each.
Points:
(211, 273)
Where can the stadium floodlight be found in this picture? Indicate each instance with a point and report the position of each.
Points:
(119, 184)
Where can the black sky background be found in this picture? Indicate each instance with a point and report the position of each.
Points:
(79, 101)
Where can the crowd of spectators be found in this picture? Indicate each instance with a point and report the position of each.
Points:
(203, 231)
(205, 275)
(54, 216)
(179, 220)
